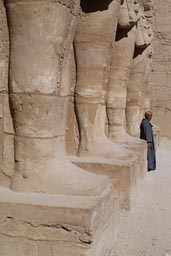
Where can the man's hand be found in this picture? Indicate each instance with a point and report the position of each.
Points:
(149, 144)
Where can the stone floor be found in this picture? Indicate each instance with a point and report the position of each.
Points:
(146, 230)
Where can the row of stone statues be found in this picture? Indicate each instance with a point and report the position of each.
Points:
(112, 53)
(74, 80)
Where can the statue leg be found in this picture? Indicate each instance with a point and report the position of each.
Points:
(40, 35)
(137, 75)
(93, 40)
(117, 87)
(145, 92)
(135, 88)
(122, 56)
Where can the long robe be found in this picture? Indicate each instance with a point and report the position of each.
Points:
(146, 133)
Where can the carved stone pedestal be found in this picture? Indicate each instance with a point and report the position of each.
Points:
(141, 153)
(122, 173)
(56, 225)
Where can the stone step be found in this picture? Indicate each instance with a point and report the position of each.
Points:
(52, 225)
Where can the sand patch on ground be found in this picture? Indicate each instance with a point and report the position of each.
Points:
(146, 229)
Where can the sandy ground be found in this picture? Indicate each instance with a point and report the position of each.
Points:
(146, 229)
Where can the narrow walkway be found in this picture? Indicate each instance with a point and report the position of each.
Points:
(146, 230)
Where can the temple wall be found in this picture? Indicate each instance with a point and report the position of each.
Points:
(161, 69)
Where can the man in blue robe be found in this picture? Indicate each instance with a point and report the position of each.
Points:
(146, 133)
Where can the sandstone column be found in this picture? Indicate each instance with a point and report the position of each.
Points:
(94, 37)
(41, 34)
(122, 56)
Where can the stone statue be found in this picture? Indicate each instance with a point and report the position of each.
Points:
(131, 32)
(122, 56)
(60, 52)
(140, 71)
(94, 38)
(41, 35)
(145, 91)
(135, 88)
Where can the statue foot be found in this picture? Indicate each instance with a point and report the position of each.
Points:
(57, 177)
(131, 140)
(108, 149)
(124, 138)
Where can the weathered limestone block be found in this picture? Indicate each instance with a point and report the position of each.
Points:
(32, 224)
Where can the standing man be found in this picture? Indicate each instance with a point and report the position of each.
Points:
(146, 133)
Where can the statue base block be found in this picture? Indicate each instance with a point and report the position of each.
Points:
(141, 152)
(57, 225)
(122, 173)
